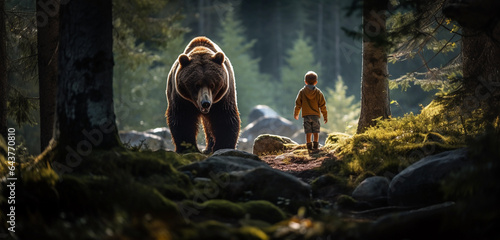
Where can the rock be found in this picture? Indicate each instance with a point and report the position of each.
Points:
(143, 139)
(268, 184)
(419, 184)
(414, 224)
(268, 143)
(216, 165)
(162, 132)
(265, 125)
(235, 153)
(371, 189)
(261, 111)
(243, 178)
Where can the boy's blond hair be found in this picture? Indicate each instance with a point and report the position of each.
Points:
(311, 78)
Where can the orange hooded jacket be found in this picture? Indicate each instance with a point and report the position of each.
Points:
(311, 101)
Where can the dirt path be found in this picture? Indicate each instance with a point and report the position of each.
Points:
(299, 163)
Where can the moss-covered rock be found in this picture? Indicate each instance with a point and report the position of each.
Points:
(235, 153)
(223, 208)
(271, 144)
(263, 210)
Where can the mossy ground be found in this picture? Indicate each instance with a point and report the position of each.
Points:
(124, 194)
(393, 144)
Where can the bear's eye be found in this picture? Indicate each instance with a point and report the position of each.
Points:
(198, 86)
(212, 85)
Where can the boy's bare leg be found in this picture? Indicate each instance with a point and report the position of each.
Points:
(316, 137)
(308, 137)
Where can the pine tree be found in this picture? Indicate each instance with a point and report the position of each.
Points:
(253, 87)
(147, 39)
(343, 112)
(300, 59)
(374, 84)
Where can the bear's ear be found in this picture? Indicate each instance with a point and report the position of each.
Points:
(184, 60)
(218, 58)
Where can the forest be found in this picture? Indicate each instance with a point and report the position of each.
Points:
(410, 149)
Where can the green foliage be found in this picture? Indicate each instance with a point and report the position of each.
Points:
(415, 32)
(153, 22)
(300, 59)
(343, 112)
(252, 86)
(147, 40)
(21, 108)
(22, 70)
(395, 143)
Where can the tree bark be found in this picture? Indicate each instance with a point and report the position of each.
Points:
(374, 83)
(48, 41)
(85, 114)
(319, 44)
(480, 55)
(337, 13)
(3, 72)
(480, 64)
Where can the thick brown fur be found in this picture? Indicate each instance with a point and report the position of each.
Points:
(201, 89)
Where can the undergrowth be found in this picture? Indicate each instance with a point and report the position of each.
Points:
(393, 144)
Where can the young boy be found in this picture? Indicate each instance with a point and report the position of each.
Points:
(311, 100)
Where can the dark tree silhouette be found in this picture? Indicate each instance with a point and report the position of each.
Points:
(85, 113)
(3, 72)
(48, 40)
(374, 82)
(480, 54)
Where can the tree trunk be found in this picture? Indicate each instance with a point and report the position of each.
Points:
(319, 44)
(337, 13)
(85, 114)
(374, 83)
(48, 41)
(3, 72)
(480, 62)
(480, 55)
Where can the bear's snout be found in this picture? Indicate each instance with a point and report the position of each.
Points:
(204, 100)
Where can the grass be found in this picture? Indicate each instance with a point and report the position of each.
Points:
(393, 144)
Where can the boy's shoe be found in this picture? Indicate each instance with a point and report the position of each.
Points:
(309, 146)
(315, 146)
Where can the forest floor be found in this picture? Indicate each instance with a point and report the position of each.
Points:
(299, 162)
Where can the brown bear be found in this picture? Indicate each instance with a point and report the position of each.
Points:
(201, 87)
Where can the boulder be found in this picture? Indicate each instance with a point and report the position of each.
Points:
(261, 111)
(216, 165)
(267, 184)
(267, 143)
(422, 223)
(371, 189)
(265, 125)
(162, 132)
(235, 153)
(144, 140)
(242, 178)
(419, 184)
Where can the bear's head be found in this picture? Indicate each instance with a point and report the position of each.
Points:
(202, 78)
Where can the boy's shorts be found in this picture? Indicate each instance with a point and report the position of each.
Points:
(311, 124)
